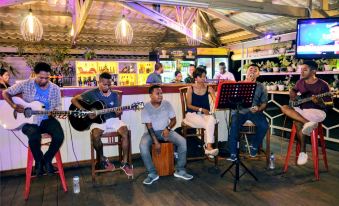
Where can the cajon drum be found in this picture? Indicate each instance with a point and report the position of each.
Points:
(164, 162)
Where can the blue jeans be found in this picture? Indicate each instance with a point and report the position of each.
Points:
(258, 119)
(175, 138)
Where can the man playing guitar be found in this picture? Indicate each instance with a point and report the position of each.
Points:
(42, 90)
(104, 93)
(309, 114)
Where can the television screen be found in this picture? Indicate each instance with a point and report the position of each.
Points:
(318, 38)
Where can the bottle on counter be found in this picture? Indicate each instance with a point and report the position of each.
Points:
(94, 82)
(89, 81)
(272, 162)
(84, 82)
(80, 82)
(61, 81)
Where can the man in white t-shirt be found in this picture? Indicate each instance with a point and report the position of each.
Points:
(223, 74)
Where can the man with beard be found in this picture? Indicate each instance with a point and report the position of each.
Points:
(42, 90)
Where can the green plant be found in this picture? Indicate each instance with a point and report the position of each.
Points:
(280, 83)
(13, 71)
(284, 61)
(333, 63)
(90, 54)
(58, 55)
(245, 67)
(268, 64)
(274, 64)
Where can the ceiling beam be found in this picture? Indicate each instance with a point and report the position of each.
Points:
(164, 20)
(230, 32)
(241, 38)
(211, 27)
(79, 16)
(5, 3)
(230, 20)
(265, 7)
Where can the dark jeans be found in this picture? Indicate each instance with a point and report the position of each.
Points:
(50, 126)
(258, 119)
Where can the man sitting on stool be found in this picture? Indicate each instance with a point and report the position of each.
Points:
(159, 117)
(309, 114)
(103, 92)
(254, 114)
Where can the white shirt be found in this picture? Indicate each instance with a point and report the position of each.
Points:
(225, 76)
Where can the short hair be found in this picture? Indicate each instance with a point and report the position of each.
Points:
(311, 64)
(105, 75)
(2, 71)
(253, 65)
(157, 66)
(42, 66)
(151, 88)
(177, 72)
(192, 65)
(199, 71)
(222, 64)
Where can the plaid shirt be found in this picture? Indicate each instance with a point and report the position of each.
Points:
(28, 90)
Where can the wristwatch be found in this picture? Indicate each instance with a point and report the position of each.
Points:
(168, 128)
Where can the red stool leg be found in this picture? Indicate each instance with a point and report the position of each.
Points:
(61, 170)
(28, 173)
(290, 146)
(314, 141)
(323, 145)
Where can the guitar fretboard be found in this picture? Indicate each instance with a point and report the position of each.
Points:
(298, 102)
(51, 112)
(114, 109)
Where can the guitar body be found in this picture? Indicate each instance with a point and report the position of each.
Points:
(81, 124)
(12, 120)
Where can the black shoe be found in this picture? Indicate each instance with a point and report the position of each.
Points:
(50, 168)
(39, 168)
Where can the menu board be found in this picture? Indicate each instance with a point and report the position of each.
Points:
(144, 69)
(86, 68)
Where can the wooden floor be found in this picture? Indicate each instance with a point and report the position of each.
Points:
(297, 187)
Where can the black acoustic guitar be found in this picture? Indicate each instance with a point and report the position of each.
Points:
(98, 108)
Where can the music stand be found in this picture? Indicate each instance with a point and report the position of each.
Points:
(233, 95)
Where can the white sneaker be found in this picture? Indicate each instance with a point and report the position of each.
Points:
(302, 159)
(309, 127)
(213, 152)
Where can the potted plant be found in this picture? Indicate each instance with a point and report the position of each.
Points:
(290, 85)
(275, 67)
(269, 66)
(90, 54)
(262, 66)
(332, 63)
(285, 63)
(273, 86)
(245, 67)
(281, 86)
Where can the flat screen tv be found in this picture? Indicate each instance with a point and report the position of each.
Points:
(318, 38)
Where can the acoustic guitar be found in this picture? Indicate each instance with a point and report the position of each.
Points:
(99, 109)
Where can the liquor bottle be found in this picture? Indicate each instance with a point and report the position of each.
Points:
(89, 81)
(60, 77)
(85, 82)
(94, 82)
(80, 82)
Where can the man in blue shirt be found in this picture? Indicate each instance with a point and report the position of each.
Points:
(113, 124)
(155, 77)
(42, 90)
(254, 114)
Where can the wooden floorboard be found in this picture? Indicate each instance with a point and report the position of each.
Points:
(296, 187)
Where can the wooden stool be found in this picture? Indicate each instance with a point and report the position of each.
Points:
(164, 162)
(113, 139)
(315, 154)
(29, 167)
(248, 128)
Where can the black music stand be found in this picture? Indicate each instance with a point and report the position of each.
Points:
(234, 96)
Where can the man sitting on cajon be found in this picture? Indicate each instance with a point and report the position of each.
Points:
(159, 117)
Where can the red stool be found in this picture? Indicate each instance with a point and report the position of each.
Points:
(29, 167)
(315, 154)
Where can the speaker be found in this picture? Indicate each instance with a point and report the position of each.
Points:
(153, 56)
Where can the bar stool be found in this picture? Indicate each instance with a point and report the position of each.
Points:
(164, 162)
(113, 139)
(315, 155)
(29, 167)
(249, 128)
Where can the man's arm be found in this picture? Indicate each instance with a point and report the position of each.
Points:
(154, 137)
(76, 102)
(10, 92)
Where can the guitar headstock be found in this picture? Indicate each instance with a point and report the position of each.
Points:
(79, 113)
(137, 106)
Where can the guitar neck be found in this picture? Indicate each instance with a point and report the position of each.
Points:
(114, 109)
(310, 98)
(51, 112)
